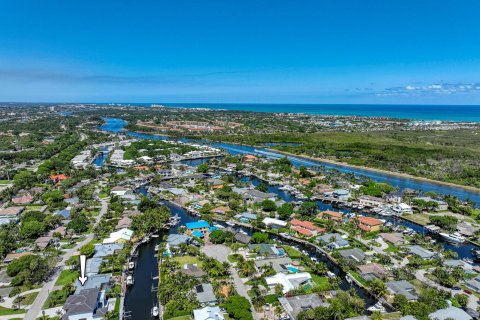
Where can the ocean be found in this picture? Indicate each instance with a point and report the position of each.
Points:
(469, 113)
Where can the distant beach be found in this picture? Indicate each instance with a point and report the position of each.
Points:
(470, 113)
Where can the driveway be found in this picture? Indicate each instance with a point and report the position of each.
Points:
(35, 309)
(217, 251)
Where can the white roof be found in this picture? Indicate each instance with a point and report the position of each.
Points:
(288, 281)
(269, 221)
(450, 313)
(125, 234)
(208, 313)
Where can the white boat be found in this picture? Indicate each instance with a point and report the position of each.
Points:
(377, 307)
(452, 237)
(131, 265)
(349, 280)
(155, 311)
(230, 223)
(130, 280)
(155, 235)
(330, 274)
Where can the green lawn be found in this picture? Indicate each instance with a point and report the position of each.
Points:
(5, 182)
(6, 311)
(292, 253)
(321, 282)
(29, 298)
(55, 299)
(66, 277)
(185, 317)
(188, 259)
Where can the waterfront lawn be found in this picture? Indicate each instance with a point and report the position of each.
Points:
(187, 259)
(420, 218)
(7, 311)
(66, 277)
(292, 253)
(359, 278)
(321, 282)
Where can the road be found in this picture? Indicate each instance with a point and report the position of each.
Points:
(35, 309)
(242, 289)
(472, 299)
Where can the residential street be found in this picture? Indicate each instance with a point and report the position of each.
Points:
(35, 309)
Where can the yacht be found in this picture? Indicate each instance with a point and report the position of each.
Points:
(131, 265)
(377, 307)
(129, 280)
(155, 312)
(230, 223)
(452, 237)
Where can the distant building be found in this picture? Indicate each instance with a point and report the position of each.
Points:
(305, 228)
(368, 224)
(371, 202)
(296, 304)
(331, 215)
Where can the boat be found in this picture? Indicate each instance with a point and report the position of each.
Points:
(155, 312)
(157, 247)
(130, 280)
(467, 260)
(476, 254)
(155, 235)
(452, 237)
(349, 280)
(377, 307)
(131, 265)
(330, 274)
(230, 223)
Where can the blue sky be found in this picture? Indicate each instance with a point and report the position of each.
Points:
(241, 51)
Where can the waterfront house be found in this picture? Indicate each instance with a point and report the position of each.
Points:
(274, 223)
(266, 250)
(420, 251)
(125, 222)
(401, 208)
(175, 240)
(289, 282)
(331, 215)
(192, 270)
(250, 158)
(354, 254)
(333, 241)
(99, 281)
(305, 228)
(440, 205)
(92, 266)
(119, 191)
(371, 202)
(255, 196)
(341, 194)
(120, 236)
(368, 224)
(87, 304)
(246, 217)
(103, 250)
(208, 313)
(197, 228)
(278, 264)
(372, 270)
(296, 304)
(402, 287)
(394, 197)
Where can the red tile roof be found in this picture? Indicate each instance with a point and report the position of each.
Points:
(369, 221)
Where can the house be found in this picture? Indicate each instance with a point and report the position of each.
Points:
(341, 194)
(215, 183)
(394, 238)
(175, 240)
(61, 230)
(420, 251)
(368, 224)
(305, 228)
(331, 215)
(474, 283)
(11, 212)
(96, 281)
(278, 264)
(92, 266)
(205, 294)
(266, 250)
(208, 313)
(58, 178)
(198, 228)
(87, 304)
(372, 270)
(394, 197)
(402, 287)
(289, 282)
(192, 270)
(354, 254)
(441, 205)
(26, 199)
(119, 191)
(120, 236)
(333, 241)
(401, 208)
(221, 210)
(250, 158)
(450, 313)
(65, 213)
(43, 242)
(104, 250)
(125, 222)
(256, 196)
(296, 304)
(274, 223)
(239, 236)
(371, 202)
(246, 217)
